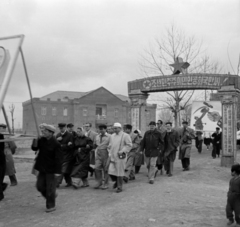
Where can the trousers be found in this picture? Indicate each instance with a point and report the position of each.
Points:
(185, 163)
(151, 166)
(118, 181)
(233, 206)
(129, 169)
(46, 185)
(2, 174)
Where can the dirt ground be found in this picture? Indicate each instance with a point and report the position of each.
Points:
(196, 198)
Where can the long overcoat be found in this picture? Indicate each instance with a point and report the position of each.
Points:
(120, 142)
(186, 142)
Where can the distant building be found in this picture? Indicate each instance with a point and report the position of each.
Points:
(99, 106)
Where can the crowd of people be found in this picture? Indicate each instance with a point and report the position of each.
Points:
(116, 152)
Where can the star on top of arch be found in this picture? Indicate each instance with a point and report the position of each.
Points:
(179, 65)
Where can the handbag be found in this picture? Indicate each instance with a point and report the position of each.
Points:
(122, 155)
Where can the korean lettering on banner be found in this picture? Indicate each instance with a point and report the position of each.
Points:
(227, 129)
(135, 118)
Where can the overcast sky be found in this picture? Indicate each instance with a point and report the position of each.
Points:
(80, 45)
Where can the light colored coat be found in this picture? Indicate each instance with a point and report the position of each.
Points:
(118, 143)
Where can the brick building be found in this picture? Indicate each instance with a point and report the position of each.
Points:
(97, 107)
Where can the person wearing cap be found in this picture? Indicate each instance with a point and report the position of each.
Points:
(101, 158)
(151, 145)
(120, 144)
(129, 170)
(216, 141)
(67, 145)
(139, 157)
(92, 135)
(48, 164)
(70, 127)
(160, 161)
(83, 146)
(186, 137)
(3, 185)
(170, 148)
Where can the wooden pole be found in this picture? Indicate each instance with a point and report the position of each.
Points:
(30, 92)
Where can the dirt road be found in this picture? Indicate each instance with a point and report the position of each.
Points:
(196, 198)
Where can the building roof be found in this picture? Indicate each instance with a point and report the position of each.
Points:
(65, 95)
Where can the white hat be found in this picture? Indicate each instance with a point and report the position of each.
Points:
(118, 125)
(42, 126)
(50, 128)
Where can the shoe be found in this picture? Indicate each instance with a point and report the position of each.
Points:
(104, 187)
(169, 175)
(97, 186)
(155, 175)
(4, 186)
(125, 179)
(184, 169)
(68, 185)
(187, 169)
(115, 185)
(119, 190)
(48, 210)
(85, 185)
(13, 184)
(151, 182)
(132, 178)
(230, 222)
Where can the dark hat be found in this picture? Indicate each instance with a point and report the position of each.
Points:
(3, 126)
(61, 125)
(160, 121)
(102, 126)
(168, 123)
(70, 125)
(152, 123)
(218, 128)
(185, 122)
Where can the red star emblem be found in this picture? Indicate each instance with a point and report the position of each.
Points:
(179, 65)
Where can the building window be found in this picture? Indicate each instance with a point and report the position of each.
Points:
(65, 111)
(101, 111)
(85, 112)
(116, 113)
(54, 111)
(43, 110)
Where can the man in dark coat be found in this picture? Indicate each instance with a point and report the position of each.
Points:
(70, 127)
(171, 142)
(217, 139)
(48, 163)
(160, 160)
(67, 146)
(151, 144)
(3, 186)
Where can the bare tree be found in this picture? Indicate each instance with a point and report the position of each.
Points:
(165, 115)
(11, 109)
(155, 62)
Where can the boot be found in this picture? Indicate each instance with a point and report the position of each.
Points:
(13, 180)
(119, 184)
(76, 182)
(170, 169)
(98, 177)
(137, 169)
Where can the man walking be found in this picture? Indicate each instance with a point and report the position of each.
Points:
(3, 185)
(160, 160)
(48, 163)
(66, 140)
(129, 170)
(171, 144)
(120, 144)
(101, 159)
(187, 134)
(199, 141)
(151, 143)
(92, 135)
(216, 141)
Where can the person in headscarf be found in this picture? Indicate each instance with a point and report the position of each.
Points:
(139, 156)
(83, 146)
(119, 146)
(186, 135)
